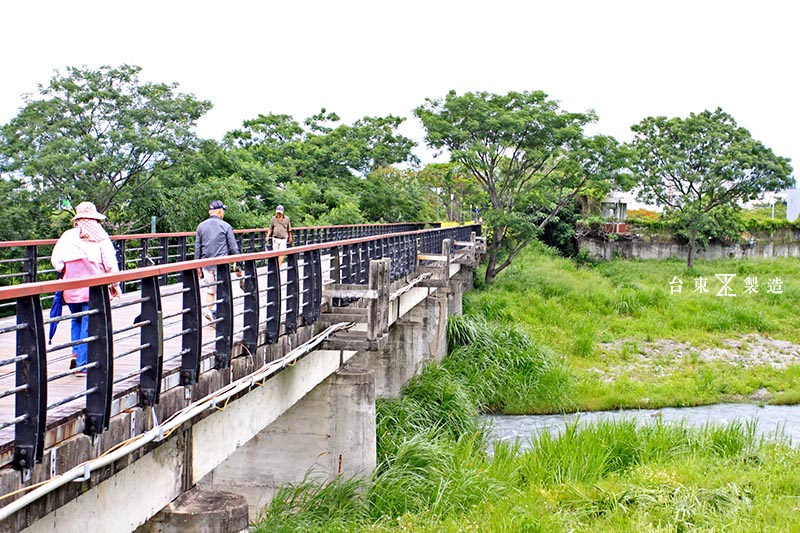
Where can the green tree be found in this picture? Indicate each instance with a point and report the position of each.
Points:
(453, 188)
(23, 216)
(321, 149)
(700, 169)
(98, 135)
(179, 196)
(394, 195)
(529, 157)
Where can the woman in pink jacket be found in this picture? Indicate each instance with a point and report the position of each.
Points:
(83, 251)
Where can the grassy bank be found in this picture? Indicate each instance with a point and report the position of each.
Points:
(434, 475)
(552, 336)
(629, 339)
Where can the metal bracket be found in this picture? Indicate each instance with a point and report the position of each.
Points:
(53, 462)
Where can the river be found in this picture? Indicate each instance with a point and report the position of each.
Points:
(771, 420)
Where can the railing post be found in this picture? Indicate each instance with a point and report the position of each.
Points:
(272, 307)
(31, 371)
(100, 376)
(292, 293)
(191, 325)
(163, 258)
(224, 327)
(121, 260)
(144, 254)
(182, 249)
(251, 307)
(313, 273)
(31, 264)
(336, 273)
(151, 355)
(316, 273)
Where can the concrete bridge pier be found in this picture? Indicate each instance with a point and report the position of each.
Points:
(330, 432)
(461, 282)
(201, 511)
(417, 337)
(414, 339)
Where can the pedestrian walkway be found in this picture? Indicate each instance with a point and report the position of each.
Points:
(67, 384)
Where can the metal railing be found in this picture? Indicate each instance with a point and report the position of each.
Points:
(158, 331)
(29, 261)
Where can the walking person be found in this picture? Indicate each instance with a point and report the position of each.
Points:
(280, 229)
(214, 239)
(83, 251)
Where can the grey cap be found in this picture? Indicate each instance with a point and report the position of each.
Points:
(279, 209)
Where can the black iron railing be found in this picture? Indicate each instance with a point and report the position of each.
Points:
(159, 330)
(29, 261)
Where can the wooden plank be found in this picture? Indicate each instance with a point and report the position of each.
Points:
(333, 318)
(348, 293)
(429, 257)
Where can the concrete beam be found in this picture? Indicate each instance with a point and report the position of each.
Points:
(167, 469)
(328, 433)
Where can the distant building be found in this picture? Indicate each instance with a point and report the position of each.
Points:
(614, 209)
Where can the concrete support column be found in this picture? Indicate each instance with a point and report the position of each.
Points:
(417, 337)
(460, 283)
(201, 511)
(400, 359)
(437, 309)
(329, 432)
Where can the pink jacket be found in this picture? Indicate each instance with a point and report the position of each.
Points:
(80, 258)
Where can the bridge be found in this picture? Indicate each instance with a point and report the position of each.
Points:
(280, 383)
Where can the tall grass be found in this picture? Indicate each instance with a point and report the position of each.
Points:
(534, 342)
(606, 476)
(311, 506)
(588, 318)
(506, 370)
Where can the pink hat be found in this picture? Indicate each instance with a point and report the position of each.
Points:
(87, 210)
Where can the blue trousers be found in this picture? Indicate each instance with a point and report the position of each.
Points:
(80, 330)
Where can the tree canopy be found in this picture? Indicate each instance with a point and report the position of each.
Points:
(98, 134)
(321, 148)
(700, 169)
(528, 156)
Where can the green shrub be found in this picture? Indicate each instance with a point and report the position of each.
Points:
(504, 368)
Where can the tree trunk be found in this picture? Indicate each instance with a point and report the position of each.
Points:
(493, 252)
(692, 248)
(491, 264)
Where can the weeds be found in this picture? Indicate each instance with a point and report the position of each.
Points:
(505, 370)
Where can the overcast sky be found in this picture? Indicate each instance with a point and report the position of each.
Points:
(625, 59)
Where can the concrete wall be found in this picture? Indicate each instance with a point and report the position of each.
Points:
(665, 249)
(330, 432)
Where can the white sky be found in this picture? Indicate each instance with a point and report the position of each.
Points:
(624, 59)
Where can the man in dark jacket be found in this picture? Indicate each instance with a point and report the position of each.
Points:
(214, 239)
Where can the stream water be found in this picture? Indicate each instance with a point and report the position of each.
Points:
(782, 421)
